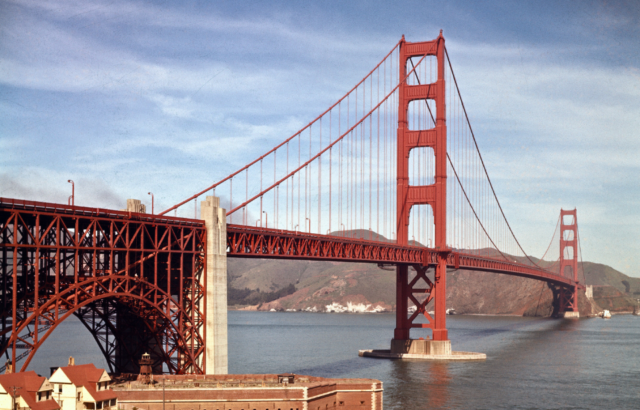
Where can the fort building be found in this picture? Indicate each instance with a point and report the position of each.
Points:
(247, 392)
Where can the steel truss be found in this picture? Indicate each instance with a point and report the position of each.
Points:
(250, 242)
(245, 241)
(136, 282)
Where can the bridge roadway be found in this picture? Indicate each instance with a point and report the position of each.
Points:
(254, 242)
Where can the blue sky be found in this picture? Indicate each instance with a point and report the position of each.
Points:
(130, 97)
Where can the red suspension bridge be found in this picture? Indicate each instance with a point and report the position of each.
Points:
(396, 158)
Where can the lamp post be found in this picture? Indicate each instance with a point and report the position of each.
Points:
(309, 231)
(266, 219)
(150, 193)
(73, 192)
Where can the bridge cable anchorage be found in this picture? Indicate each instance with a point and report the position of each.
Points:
(481, 159)
(297, 134)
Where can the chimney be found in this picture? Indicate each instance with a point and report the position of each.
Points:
(72, 361)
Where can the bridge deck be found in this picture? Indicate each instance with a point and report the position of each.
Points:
(251, 242)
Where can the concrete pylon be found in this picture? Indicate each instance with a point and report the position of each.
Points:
(135, 205)
(215, 219)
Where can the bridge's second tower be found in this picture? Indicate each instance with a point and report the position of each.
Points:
(434, 195)
(568, 297)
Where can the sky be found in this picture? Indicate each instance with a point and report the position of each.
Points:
(127, 97)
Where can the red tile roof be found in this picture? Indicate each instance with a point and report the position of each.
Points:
(29, 383)
(87, 375)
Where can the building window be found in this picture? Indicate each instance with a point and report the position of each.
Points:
(79, 395)
(113, 403)
(59, 388)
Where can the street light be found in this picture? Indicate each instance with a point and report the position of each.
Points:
(266, 219)
(309, 224)
(149, 193)
(73, 192)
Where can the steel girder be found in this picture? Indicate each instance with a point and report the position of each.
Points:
(136, 281)
(247, 242)
(251, 242)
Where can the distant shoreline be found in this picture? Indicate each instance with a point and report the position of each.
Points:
(244, 309)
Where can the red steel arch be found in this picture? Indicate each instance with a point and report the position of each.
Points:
(57, 260)
(118, 287)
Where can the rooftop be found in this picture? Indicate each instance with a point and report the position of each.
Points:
(129, 382)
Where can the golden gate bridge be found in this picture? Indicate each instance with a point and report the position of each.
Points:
(390, 174)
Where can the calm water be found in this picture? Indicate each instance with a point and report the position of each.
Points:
(531, 363)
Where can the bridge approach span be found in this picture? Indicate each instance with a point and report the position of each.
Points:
(255, 242)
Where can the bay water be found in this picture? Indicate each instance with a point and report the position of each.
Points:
(532, 363)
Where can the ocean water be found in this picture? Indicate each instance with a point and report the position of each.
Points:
(532, 363)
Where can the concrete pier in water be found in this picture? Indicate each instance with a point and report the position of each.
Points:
(423, 349)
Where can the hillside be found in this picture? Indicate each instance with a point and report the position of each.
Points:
(335, 286)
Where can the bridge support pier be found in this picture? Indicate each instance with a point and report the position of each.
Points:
(439, 344)
(216, 353)
(565, 303)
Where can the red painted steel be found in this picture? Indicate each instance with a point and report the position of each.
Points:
(251, 242)
(60, 260)
(434, 195)
(255, 242)
(569, 258)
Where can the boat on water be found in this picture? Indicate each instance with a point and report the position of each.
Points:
(606, 314)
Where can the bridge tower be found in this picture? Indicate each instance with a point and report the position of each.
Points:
(568, 297)
(434, 195)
